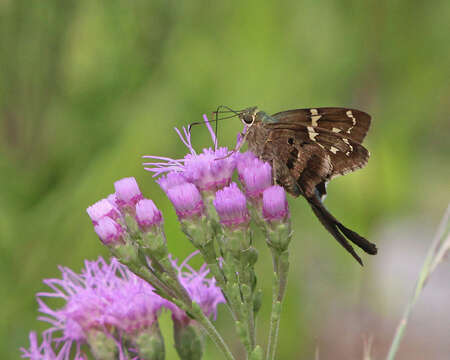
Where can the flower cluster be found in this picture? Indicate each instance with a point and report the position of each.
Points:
(108, 215)
(188, 182)
(112, 308)
(108, 301)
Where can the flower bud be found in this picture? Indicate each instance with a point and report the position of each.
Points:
(147, 214)
(101, 209)
(102, 345)
(150, 344)
(172, 179)
(127, 193)
(188, 341)
(231, 205)
(257, 178)
(275, 205)
(187, 201)
(255, 174)
(276, 213)
(112, 198)
(109, 231)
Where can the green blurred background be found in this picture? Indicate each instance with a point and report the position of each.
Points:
(87, 87)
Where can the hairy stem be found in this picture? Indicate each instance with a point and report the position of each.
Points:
(281, 268)
(212, 332)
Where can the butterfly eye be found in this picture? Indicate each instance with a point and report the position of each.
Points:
(248, 119)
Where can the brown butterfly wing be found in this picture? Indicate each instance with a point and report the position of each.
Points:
(344, 154)
(312, 151)
(352, 123)
(300, 164)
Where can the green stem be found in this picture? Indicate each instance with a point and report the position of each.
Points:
(212, 332)
(251, 326)
(435, 254)
(281, 267)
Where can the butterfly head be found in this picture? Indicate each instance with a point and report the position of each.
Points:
(249, 116)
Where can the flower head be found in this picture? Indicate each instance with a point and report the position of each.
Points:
(101, 209)
(231, 205)
(138, 306)
(201, 289)
(104, 298)
(109, 231)
(127, 193)
(275, 205)
(187, 200)
(45, 351)
(255, 174)
(147, 214)
(171, 179)
(209, 170)
(112, 198)
(243, 160)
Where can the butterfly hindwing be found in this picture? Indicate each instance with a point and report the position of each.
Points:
(344, 154)
(304, 164)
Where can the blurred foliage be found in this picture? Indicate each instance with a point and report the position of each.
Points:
(88, 86)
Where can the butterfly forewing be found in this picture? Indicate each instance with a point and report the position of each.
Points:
(352, 123)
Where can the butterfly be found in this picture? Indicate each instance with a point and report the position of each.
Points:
(307, 148)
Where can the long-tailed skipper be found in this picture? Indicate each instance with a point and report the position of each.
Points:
(307, 148)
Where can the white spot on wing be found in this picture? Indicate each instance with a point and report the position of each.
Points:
(314, 117)
(350, 115)
(334, 150)
(312, 134)
(336, 130)
(350, 146)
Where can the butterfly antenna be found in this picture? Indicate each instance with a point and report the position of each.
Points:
(228, 109)
(210, 121)
(217, 127)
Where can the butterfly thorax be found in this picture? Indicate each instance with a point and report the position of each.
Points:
(257, 134)
(257, 138)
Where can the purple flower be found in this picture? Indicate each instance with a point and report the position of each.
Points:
(137, 307)
(104, 297)
(255, 174)
(201, 289)
(147, 214)
(173, 178)
(112, 198)
(231, 205)
(127, 193)
(210, 170)
(102, 209)
(109, 231)
(275, 205)
(243, 160)
(45, 350)
(187, 200)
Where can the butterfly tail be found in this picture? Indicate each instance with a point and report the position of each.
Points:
(340, 232)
